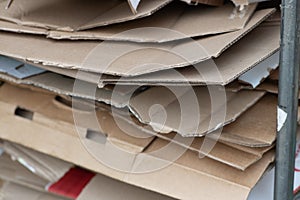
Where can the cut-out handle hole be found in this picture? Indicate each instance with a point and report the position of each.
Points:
(96, 136)
(24, 113)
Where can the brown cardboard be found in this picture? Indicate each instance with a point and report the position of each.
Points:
(201, 21)
(64, 86)
(183, 123)
(251, 51)
(14, 191)
(182, 21)
(70, 55)
(231, 183)
(256, 127)
(50, 111)
(64, 15)
(57, 119)
(42, 165)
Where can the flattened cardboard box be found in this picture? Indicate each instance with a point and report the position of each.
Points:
(64, 15)
(254, 50)
(71, 55)
(182, 21)
(64, 86)
(177, 116)
(207, 2)
(98, 186)
(115, 134)
(256, 131)
(189, 169)
(55, 112)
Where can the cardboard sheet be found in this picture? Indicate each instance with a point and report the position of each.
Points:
(64, 15)
(62, 85)
(71, 55)
(253, 51)
(57, 113)
(231, 183)
(182, 21)
(116, 134)
(175, 115)
(256, 127)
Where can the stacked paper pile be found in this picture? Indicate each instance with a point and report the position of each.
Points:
(160, 94)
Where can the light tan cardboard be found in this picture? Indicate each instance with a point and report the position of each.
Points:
(201, 21)
(234, 184)
(64, 86)
(182, 21)
(42, 165)
(175, 120)
(71, 55)
(256, 127)
(115, 134)
(64, 15)
(14, 191)
(229, 183)
(227, 64)
(51, 111)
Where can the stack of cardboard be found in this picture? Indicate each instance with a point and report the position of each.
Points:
(160, 94)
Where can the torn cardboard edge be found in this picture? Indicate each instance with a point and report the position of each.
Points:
(68, 19)
(174, 18)
(228, 65)
(116, 136)
(261, 71)
(254, 128)
(175, 119)
(78, 50)
(77, 154)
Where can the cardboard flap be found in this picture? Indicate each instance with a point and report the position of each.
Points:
(169, 114)
(72, 55)
(256, 127)
(182, 21)
(50, 111)
(65, 86)
(220, 176)
(64, 15)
